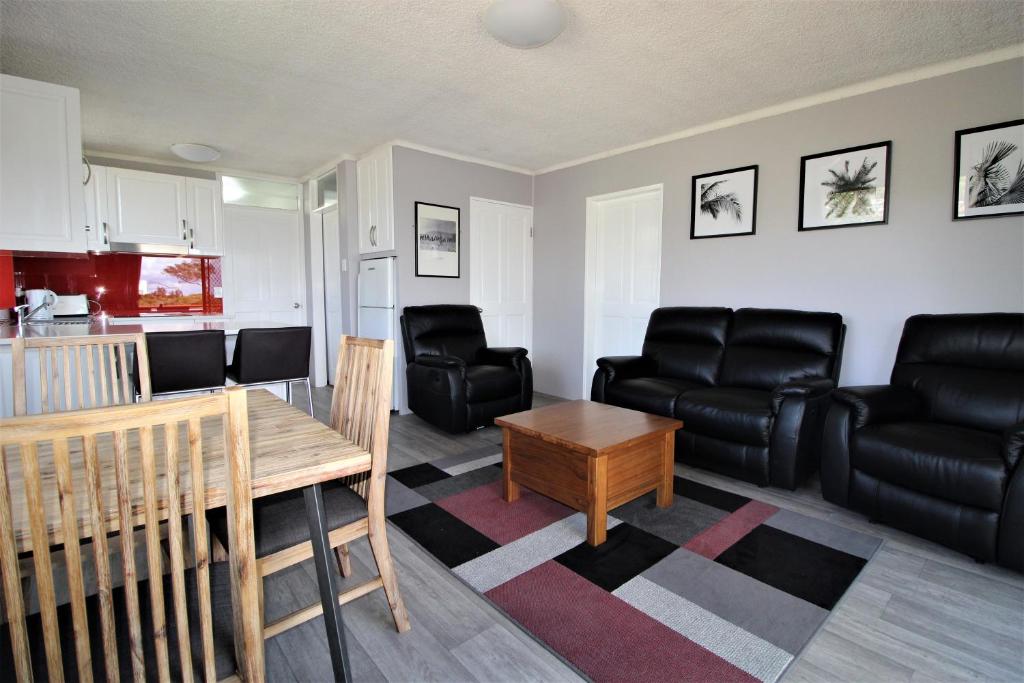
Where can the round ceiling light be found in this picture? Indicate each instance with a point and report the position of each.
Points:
(525, 23)
(192, 151)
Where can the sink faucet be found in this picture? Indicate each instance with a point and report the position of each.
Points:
(22, 316)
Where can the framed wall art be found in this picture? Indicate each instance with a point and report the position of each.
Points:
(989, 171)
(724, 203)
(845, 187)
(437, 240)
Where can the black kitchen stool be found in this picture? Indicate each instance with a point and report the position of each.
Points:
(272, 355)
(184, 362)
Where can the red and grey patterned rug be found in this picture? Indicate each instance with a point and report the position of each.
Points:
(718, 587)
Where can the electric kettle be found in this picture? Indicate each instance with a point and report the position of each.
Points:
(44, 298)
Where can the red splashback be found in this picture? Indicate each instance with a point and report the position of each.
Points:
(129, 284)
(6, 280)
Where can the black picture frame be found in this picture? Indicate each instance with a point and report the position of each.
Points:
(958, 137)
(695, 200)
(458, 239)
(886, 145)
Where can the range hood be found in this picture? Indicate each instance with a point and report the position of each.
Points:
(149, 249)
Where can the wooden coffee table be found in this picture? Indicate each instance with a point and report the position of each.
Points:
(590, 456)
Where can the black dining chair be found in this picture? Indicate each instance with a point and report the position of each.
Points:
(183, 362)
(272, 355)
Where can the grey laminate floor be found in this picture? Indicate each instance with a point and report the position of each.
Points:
(919, 612)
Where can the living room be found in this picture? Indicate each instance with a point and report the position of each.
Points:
(701, 324)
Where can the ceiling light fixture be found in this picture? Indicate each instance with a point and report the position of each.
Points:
(193, 151)
(525, 23)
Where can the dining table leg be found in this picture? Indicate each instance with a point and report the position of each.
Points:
(326, 577)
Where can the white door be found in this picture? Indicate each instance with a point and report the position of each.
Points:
(264, 274)
(205, 217)
(332, 288)
(146, 208)
(501, 270)
(623, 273)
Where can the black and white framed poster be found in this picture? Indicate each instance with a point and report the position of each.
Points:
(724, 203)
(845, 187)
(989, 171)
(437, 240)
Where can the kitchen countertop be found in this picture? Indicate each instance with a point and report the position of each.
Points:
(102, 327)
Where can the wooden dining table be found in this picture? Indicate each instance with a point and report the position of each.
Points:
(289, 450)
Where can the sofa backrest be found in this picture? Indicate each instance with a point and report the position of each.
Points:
(768, 347)
(968, 368)
(687, 342)
(444, 330)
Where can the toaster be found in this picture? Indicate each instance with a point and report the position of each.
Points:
(71, 304)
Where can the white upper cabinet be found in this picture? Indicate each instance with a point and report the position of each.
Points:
(41, 201)
(205, 217)
(147, 208)
(375, 195)
(96, 224)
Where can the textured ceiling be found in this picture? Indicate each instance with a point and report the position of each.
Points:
(285, 87)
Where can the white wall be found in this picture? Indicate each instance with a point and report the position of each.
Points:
(875, 276)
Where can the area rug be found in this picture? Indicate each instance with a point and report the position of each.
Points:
(718, 587)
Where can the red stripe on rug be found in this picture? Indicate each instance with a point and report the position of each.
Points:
(608, 639)
(485, 510)
(716, 539)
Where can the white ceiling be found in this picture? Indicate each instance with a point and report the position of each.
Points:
(285, 87)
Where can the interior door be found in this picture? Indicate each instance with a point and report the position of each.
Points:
(332, 288)
(623, 273)
(264, 275)
(501, 270)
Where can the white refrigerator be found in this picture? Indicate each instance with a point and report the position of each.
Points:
(377, 314)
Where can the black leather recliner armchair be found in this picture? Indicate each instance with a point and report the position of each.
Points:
(937, 452)
(455, 382)
(750, 386)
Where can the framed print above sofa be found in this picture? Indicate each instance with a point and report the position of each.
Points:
(988, 172)
(724, 203)
(845, 187)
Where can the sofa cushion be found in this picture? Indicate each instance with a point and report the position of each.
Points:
(952, 463)
(647, 394)
(491, 382)
(769, 347)
(727, 413)
(687, 342)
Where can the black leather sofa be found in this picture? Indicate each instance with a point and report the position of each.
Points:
(937, 452)
(455, 381)
(750, 386)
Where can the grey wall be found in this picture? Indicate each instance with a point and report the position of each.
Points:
(876, 276)
(423, 177)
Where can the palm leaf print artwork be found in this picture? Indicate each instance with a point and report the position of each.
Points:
(714, 203)
(850, 193)
(989, 183)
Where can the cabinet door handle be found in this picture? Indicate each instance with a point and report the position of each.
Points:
(106, 240)
(191, 238)
(184, 231)
(373, 235)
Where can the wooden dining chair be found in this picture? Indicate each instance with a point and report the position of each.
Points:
(79, 475)
(80, 372)
(361, 412)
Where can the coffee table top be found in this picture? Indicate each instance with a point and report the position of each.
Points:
(587, 427)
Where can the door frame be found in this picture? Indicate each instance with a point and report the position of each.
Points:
(474, 259)
(590, 269)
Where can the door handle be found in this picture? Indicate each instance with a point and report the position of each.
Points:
(296, 305)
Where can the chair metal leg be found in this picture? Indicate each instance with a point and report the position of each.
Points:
(309, 396)
(317, 518)
(288, 392)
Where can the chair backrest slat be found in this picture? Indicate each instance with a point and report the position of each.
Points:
(69, 368)
(81, 458)
(361, 406)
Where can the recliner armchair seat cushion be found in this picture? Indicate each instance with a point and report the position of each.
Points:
(491, 382)
(728, 413)
(949, 462)
(648, 394)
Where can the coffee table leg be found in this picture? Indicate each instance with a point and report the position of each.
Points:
(597, 500)
(668, 471)
(510, 488)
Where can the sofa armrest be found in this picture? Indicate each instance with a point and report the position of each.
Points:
(1013, 446)
(502, 355)
(625, 367)
(880, 403)
(810, 388)
(443, 362)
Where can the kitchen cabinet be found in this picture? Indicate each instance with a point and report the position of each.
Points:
(375, 196)
(204, 217)
(41, 198)
(96, 224)
(147, 208)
